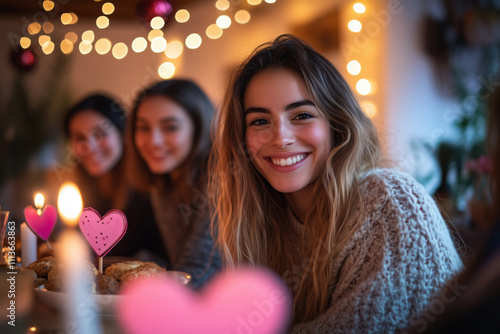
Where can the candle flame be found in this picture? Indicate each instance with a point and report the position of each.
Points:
(69, 204)
(39, 201)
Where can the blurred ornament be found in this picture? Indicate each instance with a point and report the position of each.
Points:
(23, 59)
(148, 9)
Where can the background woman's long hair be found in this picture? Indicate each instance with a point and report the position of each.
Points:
(193, 171)
(252, 225)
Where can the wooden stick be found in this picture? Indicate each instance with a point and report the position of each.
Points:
(100, 265)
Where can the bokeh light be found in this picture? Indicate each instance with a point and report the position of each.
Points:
(223, 21)
(354, 26)
(166, 70)
(108, 8)
(139, 44)
(242, 16)
(48, 5)
(158, 44)
(85, 47)
(354, 67)
(48, 27)
(254, 2)
(369, 108)
(88, 36)
(157, 22)
(363, 87)
(174, 49)
(359, 8)
(25, 42)
(154, 33)
(102, 46)
(102, 22)
(193, 41)
(182, 16)
(222, 5)
(66, 46)
(66, 18)
(120, 50)
(48, 47)
(34, 28)
(213, 31)
(71, 36)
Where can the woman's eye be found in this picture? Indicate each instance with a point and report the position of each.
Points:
(259, 121)
(303, 116)
(170, 128)
(141, 128)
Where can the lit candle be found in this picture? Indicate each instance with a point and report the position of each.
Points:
(80, 306)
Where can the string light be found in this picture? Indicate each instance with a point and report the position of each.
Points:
(155, 39)
(166, 70)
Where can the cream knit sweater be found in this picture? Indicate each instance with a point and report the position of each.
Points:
(394, 265)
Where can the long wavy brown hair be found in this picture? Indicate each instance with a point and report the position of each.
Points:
(253, 225)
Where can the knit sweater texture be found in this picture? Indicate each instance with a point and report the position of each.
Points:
(394, 265)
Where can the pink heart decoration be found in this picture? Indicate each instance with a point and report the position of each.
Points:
(102, 233)
(249, 301)
(42, 225)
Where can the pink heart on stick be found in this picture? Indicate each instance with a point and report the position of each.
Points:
(42, 225)
(248, 301)
(102, 233)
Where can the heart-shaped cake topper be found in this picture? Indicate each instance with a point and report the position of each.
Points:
(102, 233)
(248, 301)
(42, 225)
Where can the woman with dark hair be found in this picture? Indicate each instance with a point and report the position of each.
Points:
(297, 188)
(95, 128)
(169, 147)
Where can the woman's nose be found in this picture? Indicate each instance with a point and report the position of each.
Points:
(283, 134)
(156, 137)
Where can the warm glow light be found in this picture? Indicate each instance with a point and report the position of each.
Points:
(32, 329)
(69, 204)
(354, 26)
(25, 42)
(222, 4)
(139, 44)
(157, 22)
(182, 16)
(48, 5)
(166, 70)
(223, 21)
(354, 67)
(213, 31)
(85, 47)
(48, 27)
(102, 22)
(363, 87)
(39, 201)
(270, 1)
(102, 46)
(154, 33)
(120, 50)
(193, 41)
(242, 16)
(74, 18)
(34, 28)
(48, 47)
(71, 36)
(174, 49)
(108, 8)
(369, 108)
(254, 2)
(359, 8)
(66, 46)
(158, 44)
(43, 39)
(66, 18)
(88, 36)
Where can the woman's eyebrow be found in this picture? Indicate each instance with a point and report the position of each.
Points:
(287, 108)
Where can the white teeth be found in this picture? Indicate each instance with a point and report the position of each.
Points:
(288, 161)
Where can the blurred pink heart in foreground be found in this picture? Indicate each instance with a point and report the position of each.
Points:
(42, 225)
(251, 301)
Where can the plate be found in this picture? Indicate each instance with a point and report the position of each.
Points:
(104, 304)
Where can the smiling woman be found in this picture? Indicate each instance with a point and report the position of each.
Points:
(169, 144)
(298, 188)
